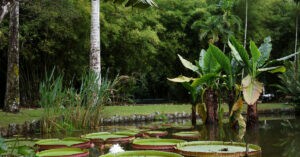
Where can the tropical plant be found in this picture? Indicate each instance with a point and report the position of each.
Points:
(254, 66)
(208, 70)
(290, 83)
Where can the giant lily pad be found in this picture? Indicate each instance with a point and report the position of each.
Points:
(64, 152)
(66, 142)
(156, 133)
(187, 135)
(217, 148)
(146, 153)
(155, 144)
(108, 138)
(182, 127)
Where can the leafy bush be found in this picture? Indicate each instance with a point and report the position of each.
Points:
(290, 83)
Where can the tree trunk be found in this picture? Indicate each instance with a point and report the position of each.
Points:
(230, 100)
(12, 94)
(95, 60)
(194, 115)
(211, 103)
(4, 8)
(296, 45)
(252, 116)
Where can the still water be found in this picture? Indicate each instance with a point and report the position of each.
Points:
(278, 136)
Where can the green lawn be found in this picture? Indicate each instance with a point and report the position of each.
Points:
(34, 114)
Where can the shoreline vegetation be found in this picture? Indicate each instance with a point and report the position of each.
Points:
(30, 114)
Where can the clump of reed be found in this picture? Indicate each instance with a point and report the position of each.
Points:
(67, 108)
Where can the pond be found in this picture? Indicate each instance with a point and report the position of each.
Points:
(278, 136)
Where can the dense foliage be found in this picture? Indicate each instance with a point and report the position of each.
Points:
(139, 44)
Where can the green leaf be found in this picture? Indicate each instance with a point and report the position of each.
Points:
(222, 59)
(265, 49)
(277, 69)
(25, 150)
(255, 55)
(210, 63)
(287, 57)
(239, 52)
(201, 58)
(187, 64)
(204, 79)
(251, 89)
(200, 109)
(181, 79)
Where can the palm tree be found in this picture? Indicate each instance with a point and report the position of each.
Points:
(95, 53)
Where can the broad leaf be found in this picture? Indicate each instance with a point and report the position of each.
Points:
(255, 55)
(251, 89)
(205, 79)
(138, 3)
(238, 105)
(277, 69)
(181, 79)
(265, 50)
(287, 57)
(201, 58)
(221, 58)
(210, 63)
(239, 52)
(187, 64)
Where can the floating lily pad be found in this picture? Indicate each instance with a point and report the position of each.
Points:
(127, 133)
(108, 138)
(217, 148)
(155, 144)
(146, 153)
(62, 143)
(156, 133)
(187, 135)
(64, 152)
(182, 127)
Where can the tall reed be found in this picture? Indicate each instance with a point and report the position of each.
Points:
(67, 108)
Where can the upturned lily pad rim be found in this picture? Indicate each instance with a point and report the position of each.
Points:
(62, 152)
(143, 152)
(180, 146)
(56, 141)
(156, 140)
(101, 135)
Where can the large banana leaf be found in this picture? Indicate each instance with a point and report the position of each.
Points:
(255, 56)
(205, 79)
(265, 49)
(276, 69)
(188, 64)
(251, 89)
(181, 79)
(210, 64)
(221, 58)
(239, 52)
(201, 58)
(137, 3)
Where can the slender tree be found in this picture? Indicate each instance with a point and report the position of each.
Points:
(12, 94)
(246, 23)
(95, 60)
(4, 8)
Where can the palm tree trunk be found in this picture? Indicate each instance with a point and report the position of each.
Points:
(12, 94)
(230, 100)
(95, 60)
(252, 116)
(211, 103)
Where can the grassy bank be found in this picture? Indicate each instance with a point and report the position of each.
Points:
(34, 114)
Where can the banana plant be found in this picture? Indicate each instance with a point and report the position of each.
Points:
(254, 67)
(208, 70)
(230, 77)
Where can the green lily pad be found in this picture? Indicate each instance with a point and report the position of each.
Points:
(126, 133)
(216, 148)
(62, 152)
(187, 135)
(66, 141)
(103, 135)
(146, 153)
(157, 141)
